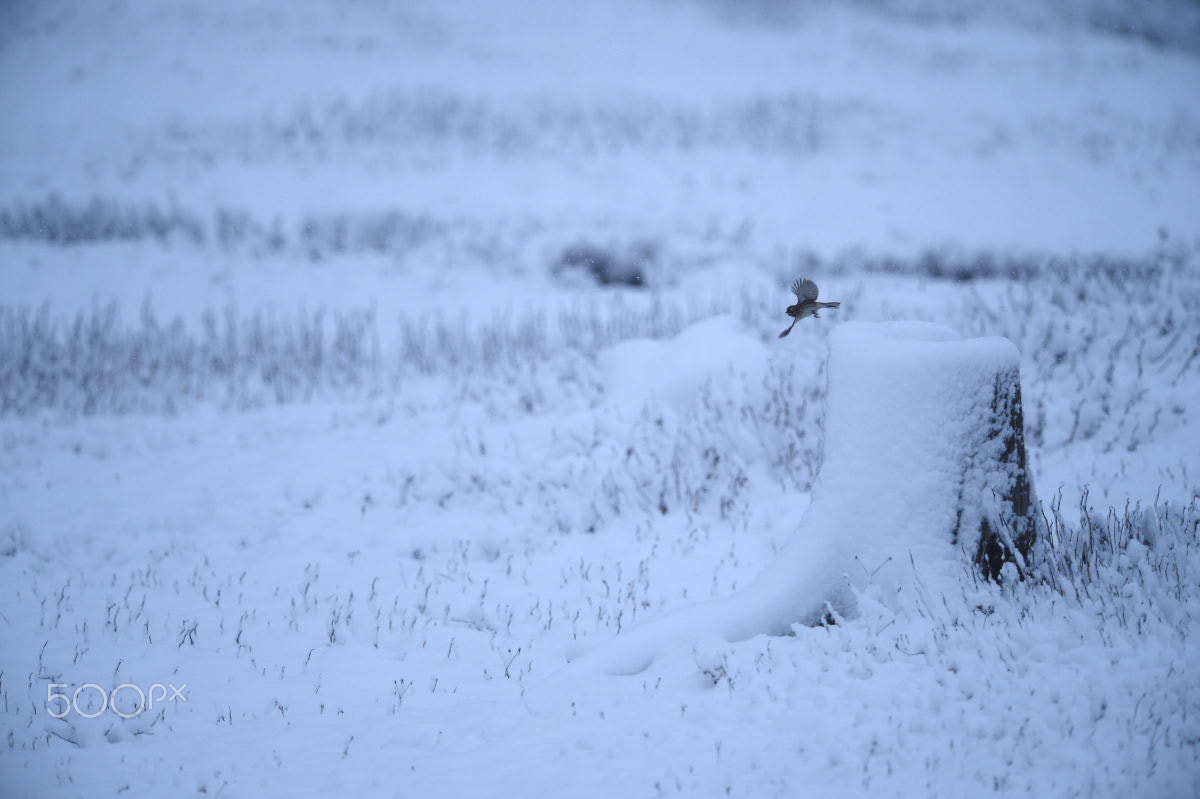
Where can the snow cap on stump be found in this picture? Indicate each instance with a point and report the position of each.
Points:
(923, 448)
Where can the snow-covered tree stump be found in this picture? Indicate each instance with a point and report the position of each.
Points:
(924, 468)
(925, 446)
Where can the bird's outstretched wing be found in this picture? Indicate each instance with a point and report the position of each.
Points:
(805, 289)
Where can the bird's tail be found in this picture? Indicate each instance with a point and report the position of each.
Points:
(831, 305)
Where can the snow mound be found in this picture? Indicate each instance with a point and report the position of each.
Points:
(912, 465)
(674, 370)
(910, 448)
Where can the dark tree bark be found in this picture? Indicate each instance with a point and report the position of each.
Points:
(1009, 537)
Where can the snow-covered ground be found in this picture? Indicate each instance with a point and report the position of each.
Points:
(324, 391)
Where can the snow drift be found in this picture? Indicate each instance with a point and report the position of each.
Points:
(923, 470)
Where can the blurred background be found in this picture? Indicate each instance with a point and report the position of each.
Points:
(373, 137)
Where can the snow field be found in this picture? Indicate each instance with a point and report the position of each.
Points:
(313, 585)
(308, 403)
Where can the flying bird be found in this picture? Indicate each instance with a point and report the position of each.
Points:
(806, 292)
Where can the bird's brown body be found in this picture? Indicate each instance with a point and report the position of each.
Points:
(806, 292)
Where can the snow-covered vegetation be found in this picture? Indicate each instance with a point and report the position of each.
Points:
(363, 364)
